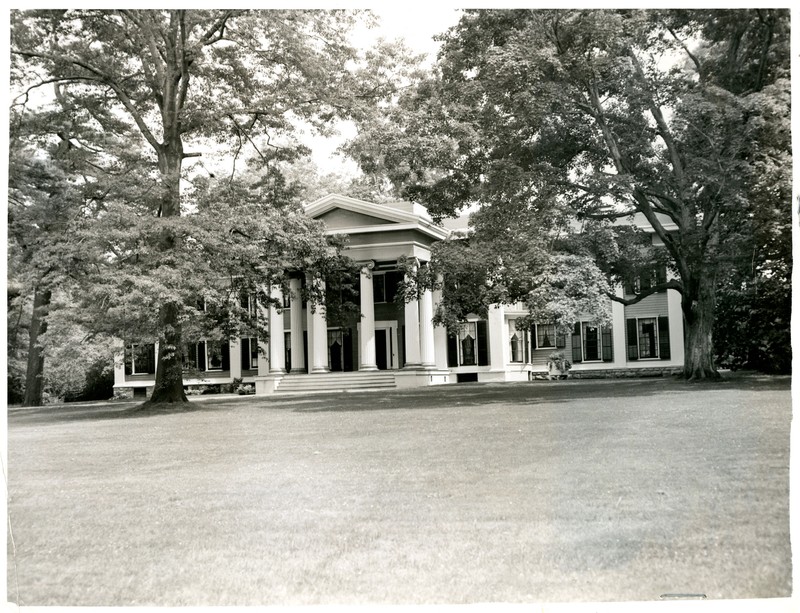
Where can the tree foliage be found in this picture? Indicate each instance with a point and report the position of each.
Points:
(146, 93)
(598, 114)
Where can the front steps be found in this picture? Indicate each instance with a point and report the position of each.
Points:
(358, 381)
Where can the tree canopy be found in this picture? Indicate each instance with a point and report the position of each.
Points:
(539, 116)
(179, 121)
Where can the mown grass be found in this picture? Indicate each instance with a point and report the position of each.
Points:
(507, 493)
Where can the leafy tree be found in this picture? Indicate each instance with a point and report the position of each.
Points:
(600, 114)
(42, 203)
(178, 82)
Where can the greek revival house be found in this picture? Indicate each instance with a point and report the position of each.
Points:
(396, 346)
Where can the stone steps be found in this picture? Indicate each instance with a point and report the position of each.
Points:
(336, 382)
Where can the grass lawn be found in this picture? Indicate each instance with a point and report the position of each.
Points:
(531, 492)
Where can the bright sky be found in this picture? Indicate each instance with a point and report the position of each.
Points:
(411, 22)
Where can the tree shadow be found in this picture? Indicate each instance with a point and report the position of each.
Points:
(64, 413)
(437, 397)
(541, 392)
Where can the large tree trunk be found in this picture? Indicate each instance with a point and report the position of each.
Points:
(34, 375)
(699, 316)
(169, 368)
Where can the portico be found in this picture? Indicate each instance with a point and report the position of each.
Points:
(387, 336)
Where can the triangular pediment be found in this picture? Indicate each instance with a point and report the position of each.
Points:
(337, 208)
(340, 219)
(342, 214)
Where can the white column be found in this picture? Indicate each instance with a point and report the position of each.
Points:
(618, 335)
(675, 313)
(412, 333)
(498, 338)
(119, 363)
(366, 333)
(296, 326)
(235, 357)
(277, 349)
(426, 338)
(440, 337)
(318, 332)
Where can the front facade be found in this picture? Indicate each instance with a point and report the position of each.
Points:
(397, 345)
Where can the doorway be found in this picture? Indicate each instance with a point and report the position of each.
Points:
(386, 345)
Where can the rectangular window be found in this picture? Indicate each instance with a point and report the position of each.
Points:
(468, 341)
(545, 336)
(656, 275)
(209, 356)
(213, 355)
(379, 287)
(516, 342)
(250, 353)
(247, 303)
(470, 346)
(647, 329)
(591, 343)
(141, 359)
(648, 338)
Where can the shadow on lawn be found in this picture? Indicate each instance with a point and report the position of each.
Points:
(63, 413)
(463, 395)
(540, 392)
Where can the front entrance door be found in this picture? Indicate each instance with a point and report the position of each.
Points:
(386, 345)
(382, 340)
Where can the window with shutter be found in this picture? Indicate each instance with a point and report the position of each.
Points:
(663, 338)
(140, 359)
(483, 343)
(452, 350)
(546, 336)
(591, 343)
(631, 339)
(608, 344)
(201, 356)
(577, 354)
(647, 338)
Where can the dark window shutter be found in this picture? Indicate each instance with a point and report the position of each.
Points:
(305, 350)
(576, 343)
(201, 356)
(452, 350)
(663, 338)
(128, 357)
(402, 344)
(608, 344)
(661, 274)
(226, 355)
(483, 344)
(245, 353)
(347, 351)
(151, 358)
(526, 340)
(630, 333)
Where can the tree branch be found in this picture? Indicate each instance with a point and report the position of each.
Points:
(691, 55)
(671, 284)
(122, 96)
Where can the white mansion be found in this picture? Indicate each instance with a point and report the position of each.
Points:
(398, 346)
